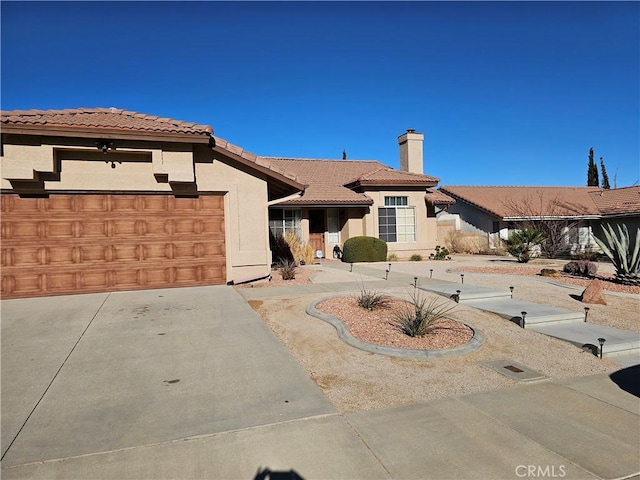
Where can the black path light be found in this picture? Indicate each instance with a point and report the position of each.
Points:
(586, 313)
(457, 297)
(601, 342)
(511, 290)
(389, 267)
(386, 274)
(415, 282)
(431, 273)
(462, 278)
(351, 267)
(524, 314)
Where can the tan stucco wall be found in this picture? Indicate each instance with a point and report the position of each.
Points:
(153, 167)
(426, 226)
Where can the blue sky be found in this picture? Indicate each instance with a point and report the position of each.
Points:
(505, 93)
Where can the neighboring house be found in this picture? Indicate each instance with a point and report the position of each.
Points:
(346, 198)
(100, 200)
(499, 210)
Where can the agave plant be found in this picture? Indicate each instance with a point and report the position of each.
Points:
(617, 247)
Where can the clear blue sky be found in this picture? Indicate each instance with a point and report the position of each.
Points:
(505, 93)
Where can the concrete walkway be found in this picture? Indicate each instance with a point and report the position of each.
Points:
(621, 347)
(190, 383)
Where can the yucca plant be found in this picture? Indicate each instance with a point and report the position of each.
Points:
(287, 269)
(420, 315)
(370, 300)
(617, 247)
(521, 244)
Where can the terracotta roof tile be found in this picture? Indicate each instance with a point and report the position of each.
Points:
(436, 197)
(330, 181)
(101, 119)
(521, 201)
(618, 201)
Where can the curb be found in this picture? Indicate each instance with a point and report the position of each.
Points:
(473, 345)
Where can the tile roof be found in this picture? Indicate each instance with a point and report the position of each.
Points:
(617, 201)
(520, 201)
(436, 197)
(100, 119)
(330, 182)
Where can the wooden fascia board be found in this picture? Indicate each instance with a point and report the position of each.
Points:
(105, 134)
(260, 168)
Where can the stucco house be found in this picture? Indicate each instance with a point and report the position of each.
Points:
(100, 200)
(346, 198)
(498, 210)
(106, 199)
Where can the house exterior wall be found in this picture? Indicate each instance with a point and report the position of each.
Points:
(426, 227)
(75, 165)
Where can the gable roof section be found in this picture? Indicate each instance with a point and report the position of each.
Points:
(104, 123)
(331, 182)
(618, 201)
(513, 203)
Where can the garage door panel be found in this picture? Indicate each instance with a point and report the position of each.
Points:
(92, 243)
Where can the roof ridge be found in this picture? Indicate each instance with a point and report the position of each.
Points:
(268, 157)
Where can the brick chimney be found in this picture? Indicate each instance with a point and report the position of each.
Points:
(411, 151)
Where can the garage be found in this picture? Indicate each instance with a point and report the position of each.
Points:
(85, 243)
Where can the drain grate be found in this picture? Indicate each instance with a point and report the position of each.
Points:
(514, 370)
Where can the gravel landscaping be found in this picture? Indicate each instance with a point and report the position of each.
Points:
(356, 380)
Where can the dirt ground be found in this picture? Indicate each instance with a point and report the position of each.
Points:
(355, 380)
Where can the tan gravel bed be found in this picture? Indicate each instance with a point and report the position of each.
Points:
(377, 326)
(356, 380)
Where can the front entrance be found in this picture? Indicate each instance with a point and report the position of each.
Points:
(317, 227)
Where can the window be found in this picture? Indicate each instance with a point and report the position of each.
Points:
(397, 221)
(284, 220)
(333, 225)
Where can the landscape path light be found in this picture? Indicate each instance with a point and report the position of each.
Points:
(586, 313)
(351, 267)
(601, 342)
(524, 314)
(431, 273)
(511, 290)
(462, 278)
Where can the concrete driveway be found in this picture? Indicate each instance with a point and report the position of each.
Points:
(190, 383)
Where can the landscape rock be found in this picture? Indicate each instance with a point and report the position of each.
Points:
(594, 293)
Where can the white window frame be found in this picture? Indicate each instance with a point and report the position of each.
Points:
(405, 221)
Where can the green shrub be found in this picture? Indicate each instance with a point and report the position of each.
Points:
(287, 269)
(416, 257)
(625, 258)
(364, 249)
(441, 253)
(370, 300)
(420, 316)
(582, 268)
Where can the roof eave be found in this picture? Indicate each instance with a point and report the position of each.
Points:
(392, 183)
(106, 133)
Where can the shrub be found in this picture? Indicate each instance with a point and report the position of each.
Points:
(420, 316)
(549, 272)
(364, 249)
(416, 257)
(583, 268)
(287, 269)
(370, 300)
(441, 253)
(392, 257)
(522, 243)
(587, 254)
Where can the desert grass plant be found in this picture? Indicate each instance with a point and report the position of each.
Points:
(287, 269)
(392, 257)
(420, 315)
(416, 257)
(302, 253)
(617, 247)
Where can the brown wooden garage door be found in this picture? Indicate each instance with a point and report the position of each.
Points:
(97, 243)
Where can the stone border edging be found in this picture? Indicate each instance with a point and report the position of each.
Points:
(473, 345)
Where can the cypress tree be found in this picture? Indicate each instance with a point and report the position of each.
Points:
(592, 171)
(605, 177)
